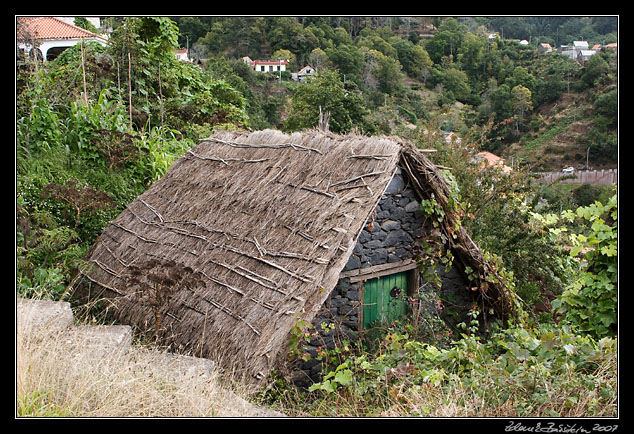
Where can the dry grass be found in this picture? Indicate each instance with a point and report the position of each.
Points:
(55, 379)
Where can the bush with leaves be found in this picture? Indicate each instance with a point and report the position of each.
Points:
(589, 301)
(517, 372)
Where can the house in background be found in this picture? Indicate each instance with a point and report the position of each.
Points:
(544, 48)
(48, 37)
(578, 51)
(266, 65)
(181, 54)
(307, 72)
(453, 138)
(488, 159)
(584, 55)
(580, 45)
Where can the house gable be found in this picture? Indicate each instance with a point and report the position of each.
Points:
(50, 35)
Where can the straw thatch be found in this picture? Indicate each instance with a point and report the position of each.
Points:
(244, 235)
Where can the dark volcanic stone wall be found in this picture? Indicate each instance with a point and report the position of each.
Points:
(390, 234)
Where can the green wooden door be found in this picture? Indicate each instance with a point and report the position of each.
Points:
(384, 299)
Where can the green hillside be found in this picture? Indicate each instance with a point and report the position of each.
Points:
(409, 70)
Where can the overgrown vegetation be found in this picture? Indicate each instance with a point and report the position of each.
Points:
(83, 153)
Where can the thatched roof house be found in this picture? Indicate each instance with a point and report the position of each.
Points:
(249, 232)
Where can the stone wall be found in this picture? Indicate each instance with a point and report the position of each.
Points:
(391, 234)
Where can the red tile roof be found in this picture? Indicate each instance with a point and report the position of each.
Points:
(493, 160)
(270, 62)
(52, 28)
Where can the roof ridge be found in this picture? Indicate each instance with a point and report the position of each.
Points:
(54, 28)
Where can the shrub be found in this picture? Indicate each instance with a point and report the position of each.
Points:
(516, 372)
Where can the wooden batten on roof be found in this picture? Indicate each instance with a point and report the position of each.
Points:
(249, 232)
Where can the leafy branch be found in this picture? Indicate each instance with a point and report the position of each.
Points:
(81, 199)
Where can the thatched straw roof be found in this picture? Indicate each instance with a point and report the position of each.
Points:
(245, 234)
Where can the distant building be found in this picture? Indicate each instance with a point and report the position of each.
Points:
(584, 55)
(268, 65)
(181, 54)
(453, 138)
(307, 72)
(48, 37)
(580, 45)
(488, 159)
(544, 48)
(579, 51)
(599, 47)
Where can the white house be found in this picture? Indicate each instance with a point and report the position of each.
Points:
(580, 45)
(181, 54)
(584, 55)
(305, 73)
(47, 37)
(269, 65)
(579, 51)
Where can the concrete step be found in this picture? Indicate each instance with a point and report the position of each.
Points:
(173, 366)
(37, 319)
(41, 317)
(99, 341)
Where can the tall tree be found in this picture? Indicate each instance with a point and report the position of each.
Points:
(522, 101)
(446, 41)
(327, 94)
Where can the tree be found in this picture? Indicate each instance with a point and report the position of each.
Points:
(181, 92)
(521, 101)
(326, 93)
(81, 199)
(381, 72)
(522, 77)
(414, 59)
(596, 67)
(471, 55)
(318, 59)
(457, 82)
(347, 58)
(446, 41)
(283, 55)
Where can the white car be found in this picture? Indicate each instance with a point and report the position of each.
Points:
(568, 170)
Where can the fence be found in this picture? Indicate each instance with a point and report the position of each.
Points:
(595, 177)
